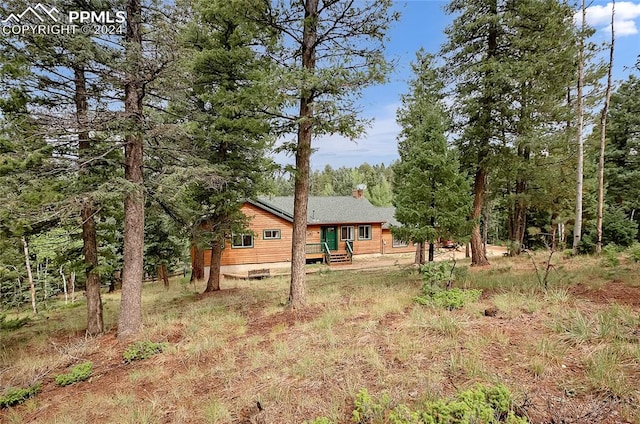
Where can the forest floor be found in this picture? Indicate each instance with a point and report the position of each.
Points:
(570, 353)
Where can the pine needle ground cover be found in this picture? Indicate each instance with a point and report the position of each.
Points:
(569, 353)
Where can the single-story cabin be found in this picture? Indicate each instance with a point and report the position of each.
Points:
(338, 228)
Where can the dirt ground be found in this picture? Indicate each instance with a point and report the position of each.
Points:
(507, 356)
(385, 261)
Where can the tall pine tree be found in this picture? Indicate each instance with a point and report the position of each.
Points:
(330, 51)
(430, 193)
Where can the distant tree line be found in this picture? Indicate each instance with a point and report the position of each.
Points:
(342, 181)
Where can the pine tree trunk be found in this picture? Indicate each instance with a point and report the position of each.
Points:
(213, 283)
(72, 280)
(478, 258)
(603, 137)
(130, 319)
(95, 322)
(419, 258)
(517, 220)
(27, 264)
(432, 249)
(197, 263)
(577, 229)
(64, 286)
(163, 274)
(518, 213)
(485, 228)
(297, 293)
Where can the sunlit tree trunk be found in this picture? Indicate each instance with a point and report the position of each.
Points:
(478, 256)
(27, 263)
(297, 293)
(577, 229)
(213, 282)
(130, 320)
(603, 136)
(95, 324)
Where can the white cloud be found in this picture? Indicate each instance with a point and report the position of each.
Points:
(626, 14)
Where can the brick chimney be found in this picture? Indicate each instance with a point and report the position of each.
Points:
(358, 192)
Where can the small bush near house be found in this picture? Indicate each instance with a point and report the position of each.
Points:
(78, 373)
(449, 299)
(435, 272)
(142, 350)
(14, 397)
(481, 404)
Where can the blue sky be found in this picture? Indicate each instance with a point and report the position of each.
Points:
(422, 24)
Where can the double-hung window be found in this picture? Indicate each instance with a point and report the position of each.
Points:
(239, 241)
(271, 235)
(346, 232)
(364, 232)
(398, 243)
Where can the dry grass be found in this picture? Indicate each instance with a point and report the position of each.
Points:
(361, 329)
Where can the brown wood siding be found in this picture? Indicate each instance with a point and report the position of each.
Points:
(279, 250)
(362, 247)
(388, 248)
(263, 251)
(313, 233)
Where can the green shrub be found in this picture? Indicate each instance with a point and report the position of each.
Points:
(17, 396)
(435, 272)
(450, 299)
(461, 274)
(616, 228)
(367, 410)
(12, 324)
(319, 420)
(78, 373)
(488, 405)
(634, 252)
(610, 256)
(142, 350)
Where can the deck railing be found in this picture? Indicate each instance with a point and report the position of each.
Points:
(314, 248)
(327, 253)
(349, 247)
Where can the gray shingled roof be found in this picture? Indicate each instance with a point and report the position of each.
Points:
(328, 210)
(388, 213)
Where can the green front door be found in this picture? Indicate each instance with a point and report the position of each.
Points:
(329, 235)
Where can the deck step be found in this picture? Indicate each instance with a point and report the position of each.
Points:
(340, 258)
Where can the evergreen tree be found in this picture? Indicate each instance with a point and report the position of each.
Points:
(228, 130)
(476, 57)
(622, 164)
(512, 63)
(431, 196)
(329, 53)
(67, 87)
(543, 47)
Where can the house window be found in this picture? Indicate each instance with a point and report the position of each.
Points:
(241, 240)
(364, 232)
(398, 243)
(271, 235)
(346, 232)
